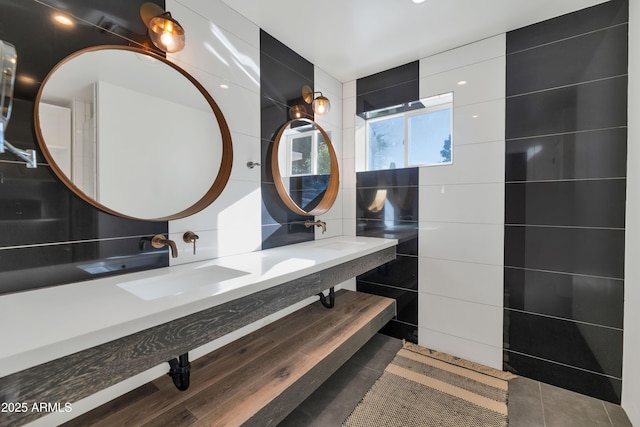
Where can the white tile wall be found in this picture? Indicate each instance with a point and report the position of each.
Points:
(348, 176)
(461, 248)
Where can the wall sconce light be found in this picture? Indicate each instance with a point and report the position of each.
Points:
(165, 32)
(298, 112)
(320, 104)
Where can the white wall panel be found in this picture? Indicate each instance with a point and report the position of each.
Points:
(485, 81)
(475, 163)
(480, 283)
(479, 243)
(482, 50)
(481, 122)
(466, 349)
(467, 203)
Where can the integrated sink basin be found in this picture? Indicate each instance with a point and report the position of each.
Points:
(176, 283)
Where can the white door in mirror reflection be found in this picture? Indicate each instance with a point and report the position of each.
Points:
(143, 139)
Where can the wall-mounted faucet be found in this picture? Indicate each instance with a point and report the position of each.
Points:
(159, 241)
(308, 223)
(191, 237)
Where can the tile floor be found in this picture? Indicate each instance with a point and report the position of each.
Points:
(531, 403)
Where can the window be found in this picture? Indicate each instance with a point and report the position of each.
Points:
(425, 125)
(308, 153)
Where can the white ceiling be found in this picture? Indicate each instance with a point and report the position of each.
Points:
(355, 38)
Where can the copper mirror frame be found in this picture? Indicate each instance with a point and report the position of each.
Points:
(331, 192)
(224, 172)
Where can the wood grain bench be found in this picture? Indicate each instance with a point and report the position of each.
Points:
(259, 379)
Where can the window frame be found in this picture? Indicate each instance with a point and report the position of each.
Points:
(406, 142)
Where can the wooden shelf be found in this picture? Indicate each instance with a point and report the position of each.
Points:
(260, 378)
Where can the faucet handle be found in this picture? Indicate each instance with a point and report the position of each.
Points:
(191, 237)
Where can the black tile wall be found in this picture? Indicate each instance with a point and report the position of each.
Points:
(578, 23)
(282, 75)
(49, 236)
(586, 106)
(575, 155)
(565, 196)
(387, 88)
(387, 206)
(567, 203)
(565, 295)
(570, 378)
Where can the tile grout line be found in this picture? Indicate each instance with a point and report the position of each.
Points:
(607, 412)
(544, 418)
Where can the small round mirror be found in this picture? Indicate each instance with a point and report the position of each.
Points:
(133, 134)
(305, 167)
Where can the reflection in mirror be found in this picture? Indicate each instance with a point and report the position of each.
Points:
(305, 167)
(133, 134)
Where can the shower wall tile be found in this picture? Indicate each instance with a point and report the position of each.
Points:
(589, 299)
(585, 346)
(391, 87)
(587, 106)
(406, 301)
(467, 281)
(607, 14)
(590, 251)
(567, 203)
(400, 274)
(565, 199)
(567, 377)
(592, 56)
(387, 206)
(577, 155)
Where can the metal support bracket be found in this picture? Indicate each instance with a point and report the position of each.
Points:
(28, 156)
(180, 371)
(332, 298)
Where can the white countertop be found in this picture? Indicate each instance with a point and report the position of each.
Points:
(45, 324)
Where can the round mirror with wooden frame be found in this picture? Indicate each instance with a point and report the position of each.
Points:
(304, 166)
(133, 134)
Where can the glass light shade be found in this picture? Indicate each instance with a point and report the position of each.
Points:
(321, 105)
(166, 33)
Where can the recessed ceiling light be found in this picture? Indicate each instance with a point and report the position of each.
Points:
(462, 82)
(475, 116)
(63, 20)
(418, 1)
(223, 86)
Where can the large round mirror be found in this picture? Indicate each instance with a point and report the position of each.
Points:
(305, 167)
(133, 134)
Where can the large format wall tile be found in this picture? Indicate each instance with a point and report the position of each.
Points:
(567, 203)
(479, 243)
(581, 155)
(562, 27)
(590, 347)
(590, 251)
(587, 106)
(570, 378)
(588, 299)
(391, 87)
(480, 283)
(565, 198)
(468, 320)
(468, 203)
(591, 56)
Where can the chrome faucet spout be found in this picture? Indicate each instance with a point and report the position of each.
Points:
(308, 223)
(159, 241)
